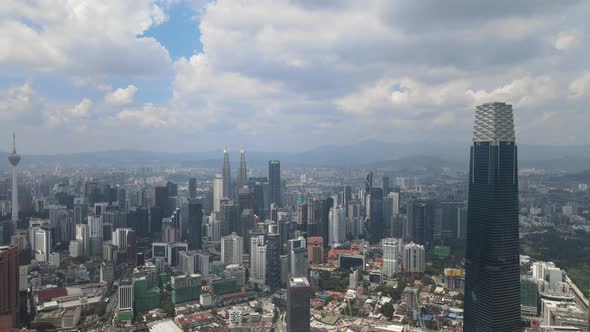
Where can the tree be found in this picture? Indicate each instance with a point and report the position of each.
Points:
(387, 310)
(168, 309)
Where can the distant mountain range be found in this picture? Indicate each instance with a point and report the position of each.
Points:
(365, 154)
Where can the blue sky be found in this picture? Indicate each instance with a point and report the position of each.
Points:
(190, 75)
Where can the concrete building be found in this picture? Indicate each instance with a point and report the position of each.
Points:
(125, 296)
(337, 227)
(41, 244)
(414, 258)
(390, 256)
(258, 260)
(9, 285)
(232, 249)
(217, 192)
(315, 250)
(298, 308)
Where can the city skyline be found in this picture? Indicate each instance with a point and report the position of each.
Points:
(162, 77)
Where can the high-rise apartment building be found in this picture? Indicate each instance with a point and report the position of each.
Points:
(414, 260)
(492, 279)
(258, 260)
(232, 249)
(390, 256)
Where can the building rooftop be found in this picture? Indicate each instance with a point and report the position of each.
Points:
(298, 282)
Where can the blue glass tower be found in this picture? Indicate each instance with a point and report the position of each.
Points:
(492, 281)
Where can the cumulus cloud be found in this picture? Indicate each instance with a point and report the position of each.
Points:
(121, 96)
(296, 73)
(564, 40)
(580, 87)
(82, 38)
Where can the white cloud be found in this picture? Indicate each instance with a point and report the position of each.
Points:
(83, 39)
(564, 40)
(121, 96)
(580, 87)
(146, 116)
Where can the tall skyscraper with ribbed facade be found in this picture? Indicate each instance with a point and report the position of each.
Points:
(242, 171)
(226, 175)
(492, 281)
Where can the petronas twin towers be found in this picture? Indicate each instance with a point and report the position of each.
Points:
(492, 275)
(242, 179)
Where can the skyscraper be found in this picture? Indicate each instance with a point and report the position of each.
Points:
(376, 214)
(257, 260)
(9, 275)
(226, 175)
(217, 192)
(298, 311)
(14, 159)
(195, 224)
(390, 256)
(192, 187)
(414, 258)
(492, 281)
(242, 171)
(274, 179)
(273, 261)
(232, 249)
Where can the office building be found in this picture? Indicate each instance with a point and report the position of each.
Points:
(226, 175)
(192, 188)
(296, 259)
(195, 224)
(420, 221)
(298, 308)
(274, 179)
(80, 210)
(273, 260)
(125, 296)
(41, 244)
(492, 280)
(217, 192)
(337, 227)
(414, 261)
(390, 256)
(232, 249)
(315, 250)
(9, 285)
(242, 171)
(376, 223)
(258, 260)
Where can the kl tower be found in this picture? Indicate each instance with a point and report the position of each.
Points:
(14, 159)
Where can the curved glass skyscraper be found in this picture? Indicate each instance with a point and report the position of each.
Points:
(492, 281)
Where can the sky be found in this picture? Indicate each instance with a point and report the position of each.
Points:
(278, 75)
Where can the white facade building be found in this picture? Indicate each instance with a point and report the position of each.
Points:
(232, 249)
(258, 260)
(414, 258)
(390, 255)
(217, 192)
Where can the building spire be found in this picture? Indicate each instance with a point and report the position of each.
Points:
(13, 142)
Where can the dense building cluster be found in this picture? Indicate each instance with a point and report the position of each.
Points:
(293, 248)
